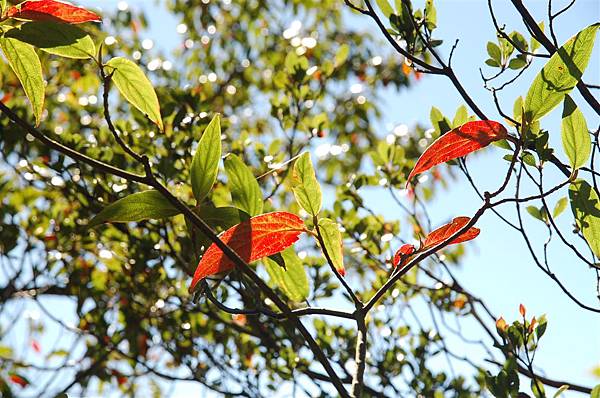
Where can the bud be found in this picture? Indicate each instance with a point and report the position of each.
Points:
(532, 325)
(341, 271)
(501, 325)
(522, 310)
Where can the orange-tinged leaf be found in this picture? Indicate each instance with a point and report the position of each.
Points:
(18, 380)
(253, 239)
(445, 231)
(459, 142)
(402, 255)
(52, 10)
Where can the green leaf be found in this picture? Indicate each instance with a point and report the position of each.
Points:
(342, 55)
(24, 61)
(586, 209)
(535, 45)
(517, 63)
(518, 109)
(494, 52)
(559, 392)
(385, 8)
(135, 87)
(218, 218)
(430, 15)
(575, 135)
(56, 38)
(292, 279)
(560, 74)
(535, 212)
(306, 187)
(205, 164)
(491, 62)
(139, 206)
(461, 116)
(595, 392)
(332, 240)
(559, 207)
(537, 388)
(245, 192)
(439, 122)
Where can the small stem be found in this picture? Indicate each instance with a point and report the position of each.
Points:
(359, 356)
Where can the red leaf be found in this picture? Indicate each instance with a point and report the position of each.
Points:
(18, 380)
(52, 10)
(402, 254)
(445, 231)
(253, 239)
(437, 236)
(459, 142)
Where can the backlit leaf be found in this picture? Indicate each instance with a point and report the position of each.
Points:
(52, 10)
(139, 206)
(332, 239)
(461, 116)
(205, 164)
(253, 239)
(442, 233)
(56, 38)
(560, 206)
(292, 279)
(385, 8)
(306, 187)
(24, 61)
(439, 122)
(586, 209)
(575, 135)
(459, 142)
(245, 191)
(135, 87)
(560, 74)
(218, 218)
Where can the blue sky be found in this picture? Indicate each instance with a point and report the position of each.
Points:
(498, 266)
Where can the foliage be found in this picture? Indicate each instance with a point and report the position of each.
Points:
(271, 268)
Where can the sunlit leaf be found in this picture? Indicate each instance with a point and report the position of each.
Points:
(444, 232)
(457, 143)
(136, 207)
(560, 74)
(586, 209)
(135, 87)
(292, 279)
(205, 164)
(305, 185)
(560, 206)
(258, 237)
(245, 191)
(332, 239)
(56, 38)
(52, 10)
(575, 135)
(24, 61)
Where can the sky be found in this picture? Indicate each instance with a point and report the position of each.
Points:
(498, 267)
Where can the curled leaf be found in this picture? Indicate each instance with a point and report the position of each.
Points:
(436, 237)
(253, 239)
(52, 10)
(459, 142)
(445, 231)
(402, 255)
